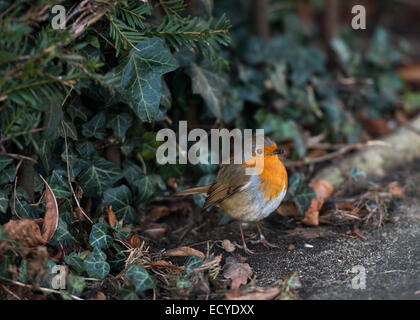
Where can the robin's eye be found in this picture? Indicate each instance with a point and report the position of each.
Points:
(259, 151)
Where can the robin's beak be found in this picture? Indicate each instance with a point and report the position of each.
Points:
(277, 151)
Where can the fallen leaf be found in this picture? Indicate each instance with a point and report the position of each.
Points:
(238, 272)
(156, 230)
(228, 246)
(377, 127)
(322, 188)
(51, 213)
(395, 189)
(166, 264)
(157, 212)
(184, 252)
(267, 293)
(410, 73)
(134, 240)
(400, 116)
(112, 219)
(312, 214)
(348, 207)
(28, 231)
(287, 210)
(99, 296)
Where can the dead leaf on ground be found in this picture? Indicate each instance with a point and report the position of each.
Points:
(156, 230)
(184, 252)
(348, 207)
(238, 272)
(377, 127)
(322, 188)
(287, 210)
(134, 240)
(112, 219)
(99, 296)
(410, 73)
(166, 264)
(312, 214)
(228, 246)
(395, 189)
(28, 231)
(260, 293)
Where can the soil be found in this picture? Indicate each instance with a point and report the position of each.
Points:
(324, 256)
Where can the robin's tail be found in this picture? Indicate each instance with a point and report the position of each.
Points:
(195, 190)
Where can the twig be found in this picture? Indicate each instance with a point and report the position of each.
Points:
(332, 155)
(68, 175)
(10, 292)
(39, 288)
(18, 157)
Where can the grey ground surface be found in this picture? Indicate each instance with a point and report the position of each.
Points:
(390, 254)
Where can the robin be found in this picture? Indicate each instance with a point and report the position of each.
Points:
(244, 196)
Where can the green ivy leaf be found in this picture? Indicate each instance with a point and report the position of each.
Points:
(75, 284)
(139, 276)
(101, 175)
(138, 76)
(96, 265)
(4, 201)
(147, 185)
(99, 237)
(120, 124)
(210, 86)
(128, 293)
(301, 192)
(7, 175)
(192, 263)
(120, 199)
(74, 261)
(4, 162)
(95, 127)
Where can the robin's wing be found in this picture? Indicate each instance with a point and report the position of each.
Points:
(229, 180)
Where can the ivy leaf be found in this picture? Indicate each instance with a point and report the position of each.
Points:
(75, 284)
(139, 276)
(210, 86)
(147, 185)
(96, 265)
(138, 76)
(7, 175)
(70, 130)
(4, 162)
(101, 175)
(120, 199)
(95, 127)
(120, 124)
(98, 236)
(62, 234)
(4, 201)
(192, 263)
(74, 261)
(128, 293)
(301, 192)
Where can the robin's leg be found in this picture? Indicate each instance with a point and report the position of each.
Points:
(262, 239)
(244, 247)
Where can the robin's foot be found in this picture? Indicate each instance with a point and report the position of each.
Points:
(264, 242)
(244, 247)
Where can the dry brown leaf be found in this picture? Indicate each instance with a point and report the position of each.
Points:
(410, 73)
(238, 272)
(166, 264)
(99, 296)
(28, 231)
(184, 252)
(156, 230)
(228, 246)
(267, 293)
(348, 207)
(400, 116)
(157, 212)
(395, 189)
(112, 219)
(312, 214)
(51, 213)
(134, 240)
(322, 188)
(377, 127)
(287, 210)
(25, 231)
